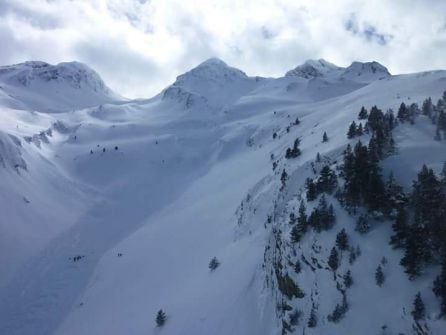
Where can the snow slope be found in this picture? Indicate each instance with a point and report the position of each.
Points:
(114, 210)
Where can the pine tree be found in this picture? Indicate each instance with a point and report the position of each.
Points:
(403, 113)
(339, 311)
(295, 151)
(327, 181)
(330, 217)
(351, 255)
(311, 190)
(297, 121)
(297, 267)
(302, 219)
(333, 260)
(362, 176)
(283, 178)
(441, 121)
(312, 320)
(362, 225)
(351, 188)
(325, 137)
(427, 107)
(352, 130)
(437, 136)
(379, 276)
(348, 280)
(428, 201)
(322, 217)
(214, 263)
(414, 253)
(374, 192)
(439, 288)
(359, 130)
(342, 240)
(160, 318)
(292, 220)
(363, 114)
(295, 317)
(391, 149)
(419, 310)
(441, 105)
(395, 197)
(297, 232)
(400, 229)
(443, 173)
(376, 119)
(412, 112)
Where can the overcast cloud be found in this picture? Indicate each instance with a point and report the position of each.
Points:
(140, 46)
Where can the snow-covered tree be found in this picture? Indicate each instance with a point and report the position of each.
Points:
(327, 180)
(348, 279)
(427, 107)
(379, 276)
(283, 178)
(363, 115)
(414, 254)
(325, 137)
(214, 263)
(295, 151)
(439, 288)
(311, 189)
(312, 320)
(403, 113)
(419, 310)
(333, 260)
(160, 318)
(342, 240)
(352, 130)
(322, 217)
(400, 229)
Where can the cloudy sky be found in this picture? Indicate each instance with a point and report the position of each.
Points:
(140, 46)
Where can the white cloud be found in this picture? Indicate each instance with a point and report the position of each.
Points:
(140, 46)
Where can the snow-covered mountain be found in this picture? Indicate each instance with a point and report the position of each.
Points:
(112, 210)
(314, 68)
(356, 72)
(52, 88)
(213, 83)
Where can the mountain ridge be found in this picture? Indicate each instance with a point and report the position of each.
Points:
(119, 207)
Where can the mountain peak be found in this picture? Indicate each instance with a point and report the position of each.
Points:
(312, 68)
(372, 66)
(62, 86)
(212, 80)
(75, 74)
(213, 61)
(213, 69)
(366, 72)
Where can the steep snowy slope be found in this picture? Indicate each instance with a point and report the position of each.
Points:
(52, 88)
(127, 203)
